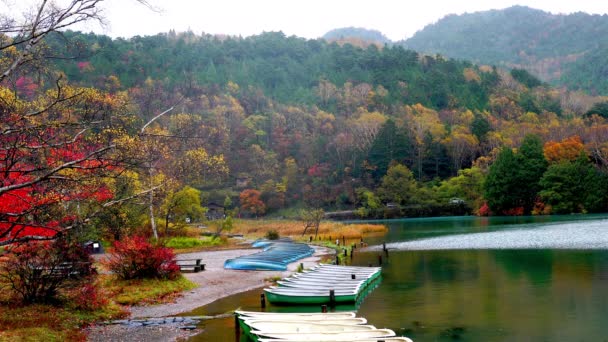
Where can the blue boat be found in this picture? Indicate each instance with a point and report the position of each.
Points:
(274, 257)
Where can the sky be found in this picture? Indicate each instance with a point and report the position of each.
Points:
(397, 19)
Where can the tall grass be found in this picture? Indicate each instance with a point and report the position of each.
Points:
(183, 242)
(292, 228)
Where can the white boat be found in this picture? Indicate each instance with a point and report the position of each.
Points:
(335, 268)
(327, 285)
(328, 276)
(298, 315)
(328, 336)
(385, 339)
(340, 271)
(305, 327)
(319, 320)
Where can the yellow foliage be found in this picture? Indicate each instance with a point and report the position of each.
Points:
(471, 75)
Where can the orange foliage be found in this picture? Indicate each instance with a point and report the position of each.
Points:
(251, 202)
(567, 149)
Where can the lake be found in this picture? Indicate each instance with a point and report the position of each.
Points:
(539, 279)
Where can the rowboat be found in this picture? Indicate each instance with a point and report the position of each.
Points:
(246, 317)
(301, 296)
(313, 286)
(305, 327)
(265, 242)
(298, 315)
(328, 336)
(318, 320)
(275, 257)
(318, 285)
(384, 339)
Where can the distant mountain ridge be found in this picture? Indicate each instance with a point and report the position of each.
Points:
(569, 50)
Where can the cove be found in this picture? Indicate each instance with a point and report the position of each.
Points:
(533, 292)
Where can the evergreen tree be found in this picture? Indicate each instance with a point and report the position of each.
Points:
(391, 144)
(514, 179)
(574, 186)
(499, 188)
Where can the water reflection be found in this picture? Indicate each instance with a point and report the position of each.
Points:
(493, 295)
(475, 295)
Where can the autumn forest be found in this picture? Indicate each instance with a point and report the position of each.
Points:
(109, 135)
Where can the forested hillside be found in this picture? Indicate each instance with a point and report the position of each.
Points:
(563, 49)
(265, 124)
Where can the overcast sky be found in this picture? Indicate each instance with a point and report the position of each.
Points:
(397, 19)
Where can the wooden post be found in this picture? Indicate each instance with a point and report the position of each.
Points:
(380, 259)
(324, 308)
(263, 301)
(345, 252)
(310, 239)
(332, 298)
(384, 246)
(337, 259)
(343, 241)
(237, 328)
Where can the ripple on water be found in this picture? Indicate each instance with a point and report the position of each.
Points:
(578, 235)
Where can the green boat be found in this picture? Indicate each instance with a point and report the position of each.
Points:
(314, 286)
(302, 296)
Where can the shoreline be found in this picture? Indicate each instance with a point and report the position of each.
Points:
(214, 283)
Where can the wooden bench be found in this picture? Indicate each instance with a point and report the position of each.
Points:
(65, 270)
(193, 265)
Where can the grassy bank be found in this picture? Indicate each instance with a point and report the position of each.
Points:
(63, 321)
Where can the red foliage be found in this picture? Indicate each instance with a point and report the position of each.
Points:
(89, 297)
(319, 170)
(484, 210)
(136, 258)
(21, 208)
(36, 270)
(84, 66)
(26, 86)
(519, 211)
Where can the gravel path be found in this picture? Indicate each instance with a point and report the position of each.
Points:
(214, 283)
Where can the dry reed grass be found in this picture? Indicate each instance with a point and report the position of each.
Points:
(294, 229)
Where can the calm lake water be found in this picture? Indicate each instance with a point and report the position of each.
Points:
(554, 292)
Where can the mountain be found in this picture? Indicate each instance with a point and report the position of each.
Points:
(570, 50)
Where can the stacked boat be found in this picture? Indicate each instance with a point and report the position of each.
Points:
(274, 257)
(323, 284)
(334, 326)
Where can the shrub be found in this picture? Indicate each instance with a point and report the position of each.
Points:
(136, 258)
(37, 270)
(89, 297)
(272, 235)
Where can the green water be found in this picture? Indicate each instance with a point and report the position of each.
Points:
(472, 295)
